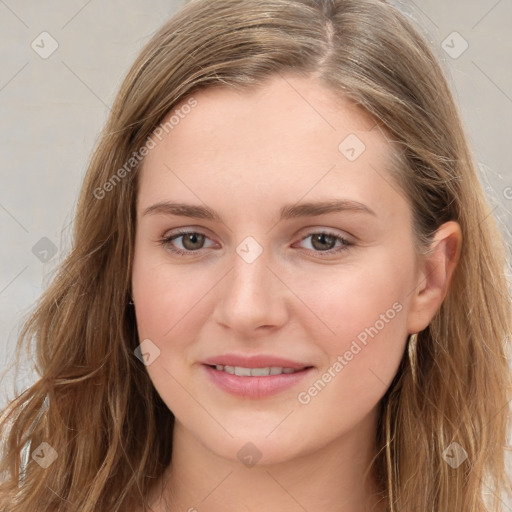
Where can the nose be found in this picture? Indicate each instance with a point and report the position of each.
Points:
(252, 298)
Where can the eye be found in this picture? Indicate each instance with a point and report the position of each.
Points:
(191, 242)
(323, 243)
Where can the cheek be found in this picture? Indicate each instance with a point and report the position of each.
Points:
(167, 303)
(171, 307)
(351, 298)
(364, 308)
(165, 295)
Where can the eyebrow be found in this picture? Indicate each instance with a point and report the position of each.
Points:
(290, 211)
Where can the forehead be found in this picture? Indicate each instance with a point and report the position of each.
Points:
(289, 137)
(288, 106)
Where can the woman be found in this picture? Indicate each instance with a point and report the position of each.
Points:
(286, 290)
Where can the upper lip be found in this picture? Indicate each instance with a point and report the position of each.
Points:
(255, 361)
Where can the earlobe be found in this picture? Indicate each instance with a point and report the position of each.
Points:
(435, 276)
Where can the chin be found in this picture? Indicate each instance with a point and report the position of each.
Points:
(254, 447)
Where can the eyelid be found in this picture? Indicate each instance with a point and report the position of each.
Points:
(179, 232)
(337, 233)
(345, 242)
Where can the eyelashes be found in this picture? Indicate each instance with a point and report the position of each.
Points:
(317, 236)
(167, 242)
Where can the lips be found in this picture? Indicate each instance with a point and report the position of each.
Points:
(256, 376)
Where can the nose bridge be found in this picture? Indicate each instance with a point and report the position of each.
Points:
(252, 296)
(250, 276)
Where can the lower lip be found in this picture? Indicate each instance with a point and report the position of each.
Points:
(255, 387)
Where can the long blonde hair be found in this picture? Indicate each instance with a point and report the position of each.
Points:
(103, 418)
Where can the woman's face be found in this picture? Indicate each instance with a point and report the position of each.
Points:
(259, 279)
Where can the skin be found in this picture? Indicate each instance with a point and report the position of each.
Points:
(245, 155)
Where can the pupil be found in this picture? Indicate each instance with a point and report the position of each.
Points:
(321, 238)
(192, 238)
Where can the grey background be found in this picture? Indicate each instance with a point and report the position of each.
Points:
(51, 112)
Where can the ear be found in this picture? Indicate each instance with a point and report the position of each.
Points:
(434, 276)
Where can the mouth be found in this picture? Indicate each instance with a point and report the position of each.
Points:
(256, 382)
(242, 371)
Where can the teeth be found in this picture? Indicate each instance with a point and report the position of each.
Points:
(242, 372)
(254, 372)
(260, 372)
